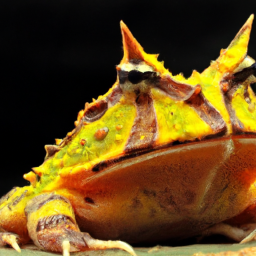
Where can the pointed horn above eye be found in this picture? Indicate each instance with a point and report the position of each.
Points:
(231, 57)
(132, 49)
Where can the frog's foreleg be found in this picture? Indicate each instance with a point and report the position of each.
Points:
(7, 238)
(52, 226)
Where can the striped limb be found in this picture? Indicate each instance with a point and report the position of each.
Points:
(52, 227)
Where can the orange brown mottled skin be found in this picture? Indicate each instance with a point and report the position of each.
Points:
(158, 157)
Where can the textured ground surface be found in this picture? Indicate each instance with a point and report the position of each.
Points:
(195, 250)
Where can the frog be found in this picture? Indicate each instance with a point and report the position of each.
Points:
(159, 157)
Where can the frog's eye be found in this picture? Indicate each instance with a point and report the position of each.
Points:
(135, 76)
(243, 74)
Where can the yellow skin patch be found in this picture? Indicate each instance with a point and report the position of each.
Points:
(174, 120)
(53, 207)
(245, 111)
(120, 114)
(76, 157)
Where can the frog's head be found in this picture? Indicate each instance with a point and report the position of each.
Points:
(149, 108)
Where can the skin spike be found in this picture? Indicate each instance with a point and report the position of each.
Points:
(11, 240)
(231, 57)
(237, 50)
(31, 177)
(249, 238)
(133, 50)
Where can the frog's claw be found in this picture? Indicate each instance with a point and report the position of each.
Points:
(95, 244)
(101, 245)
(242, 233)
(9, 239)
(250, 237)
(66, 248)
(52, 227)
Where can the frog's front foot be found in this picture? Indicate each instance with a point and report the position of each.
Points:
(7, 238)
(52, 227)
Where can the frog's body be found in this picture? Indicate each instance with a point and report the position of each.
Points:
(120, 173)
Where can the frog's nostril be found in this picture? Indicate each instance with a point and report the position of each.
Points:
(88, 200)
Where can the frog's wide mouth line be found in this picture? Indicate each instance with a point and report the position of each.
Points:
(173, 146)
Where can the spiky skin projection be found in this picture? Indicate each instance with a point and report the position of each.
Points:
(120, 173)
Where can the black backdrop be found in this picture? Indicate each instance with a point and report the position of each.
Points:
(56, 55)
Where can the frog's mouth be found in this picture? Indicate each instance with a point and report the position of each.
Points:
(181, 145)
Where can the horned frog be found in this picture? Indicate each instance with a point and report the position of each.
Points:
(158, 157)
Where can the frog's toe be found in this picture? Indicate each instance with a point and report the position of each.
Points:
(11, 239)
(101, 245)
(240, 234)
(66, 248)
(249, 238)
(93, 244)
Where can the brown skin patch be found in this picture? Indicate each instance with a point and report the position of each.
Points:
(51, 238)
(115, 96)
(96, 111)
(135, 61)
(145, 125)
(237, 126)
(177, 91)
(136, 203)
(51, 150)
(207, 112)
(130, 45)
(149, 193)
(52, 221)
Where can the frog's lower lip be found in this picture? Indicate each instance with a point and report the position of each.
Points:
(181, 146)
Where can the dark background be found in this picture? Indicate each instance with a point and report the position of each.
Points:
(56, 55)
